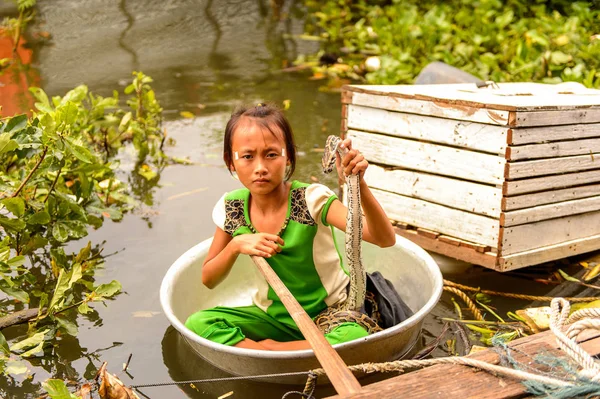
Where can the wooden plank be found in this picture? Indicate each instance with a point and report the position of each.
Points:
(551, 211)
(530, 236)
(454, 193)
(432, 158)
(549, 253)
(525, 97)
(427, 233)
(552, 118)
(554, 149)
(530, 135)
(475, 136)
(448, 246)
(549, 197)
(440, 109)
(469, 226)
(524, 186)
(338, 373)
(551, 166)
(446, 381)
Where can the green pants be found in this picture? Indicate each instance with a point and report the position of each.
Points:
(228, 326)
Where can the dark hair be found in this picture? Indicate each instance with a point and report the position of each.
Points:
(266, 116)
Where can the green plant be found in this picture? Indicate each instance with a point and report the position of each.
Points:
(513, 40)
(59, 180)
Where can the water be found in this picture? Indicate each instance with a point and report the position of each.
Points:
(206, 57)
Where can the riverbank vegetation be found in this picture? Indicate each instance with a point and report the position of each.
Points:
(60, 177)
(390, 42)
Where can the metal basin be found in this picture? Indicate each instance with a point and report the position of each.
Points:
(413, 272)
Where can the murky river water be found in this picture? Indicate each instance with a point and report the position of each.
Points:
(206, 57)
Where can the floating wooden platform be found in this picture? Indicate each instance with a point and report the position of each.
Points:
(454, 381)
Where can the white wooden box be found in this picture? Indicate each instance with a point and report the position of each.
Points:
(503, 177)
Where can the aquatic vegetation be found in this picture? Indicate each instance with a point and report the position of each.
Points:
(58, 180)
(389, 42)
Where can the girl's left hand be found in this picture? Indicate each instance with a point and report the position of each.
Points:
(353, 163)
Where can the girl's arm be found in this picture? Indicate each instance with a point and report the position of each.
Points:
(224, 251)
(377, 228)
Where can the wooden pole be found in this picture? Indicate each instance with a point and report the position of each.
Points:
(340, 376)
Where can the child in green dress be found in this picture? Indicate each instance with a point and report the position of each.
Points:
(290, 224)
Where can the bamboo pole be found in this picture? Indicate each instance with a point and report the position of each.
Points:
(340, 376)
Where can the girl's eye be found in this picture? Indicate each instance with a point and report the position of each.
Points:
(247, 156)
(272, 155)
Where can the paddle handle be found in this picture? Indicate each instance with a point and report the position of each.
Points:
(340, 376)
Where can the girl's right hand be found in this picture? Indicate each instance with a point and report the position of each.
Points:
(259, 244)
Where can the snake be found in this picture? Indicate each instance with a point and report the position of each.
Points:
(350, 309)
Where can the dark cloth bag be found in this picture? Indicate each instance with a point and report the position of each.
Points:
(392, 308)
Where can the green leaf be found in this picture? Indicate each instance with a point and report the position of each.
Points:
(76, 95)
(34, 243)
(62, 285)
(567, 277)
(57, 389)
(108, 290)
(16, 123)
(40, 95)
(41, 217)
(7, 144)
(16, 261)
(12, 224)
(4, 345)
(67, 325)
(33, 341)
(80, 152)
(60, 232)
(15, 205)
(84, 308)
(129, 89)
(84, 253)
(14, 292)
(67, 113)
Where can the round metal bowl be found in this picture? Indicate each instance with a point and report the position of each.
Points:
(413, 272)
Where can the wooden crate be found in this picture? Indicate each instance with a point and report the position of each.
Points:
(503, 177)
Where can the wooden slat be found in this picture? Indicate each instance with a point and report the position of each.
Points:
(432, 158)
(525, 97)
(530, 135)
(461, 382)
(449, 247)
(551, 211)
(554, 149)
(551, 118)
(524, 186)
(469, 135)
(454, 193)
(549, 253)
(549, 197)
(440, 109)
(338, 373)
(476, 228)
(552, 166)
(530, 236)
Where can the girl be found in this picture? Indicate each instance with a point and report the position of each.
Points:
(288, 223)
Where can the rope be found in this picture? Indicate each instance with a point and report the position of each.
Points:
(515, 296)
(566, 341)
(236, 378)
(470, 304)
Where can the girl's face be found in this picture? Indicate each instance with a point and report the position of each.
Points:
(258, 157)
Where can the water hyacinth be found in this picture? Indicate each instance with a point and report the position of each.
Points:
(505, 41)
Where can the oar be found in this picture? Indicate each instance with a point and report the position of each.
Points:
(340, 376)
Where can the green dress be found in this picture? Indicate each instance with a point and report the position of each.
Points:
(309, 264)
